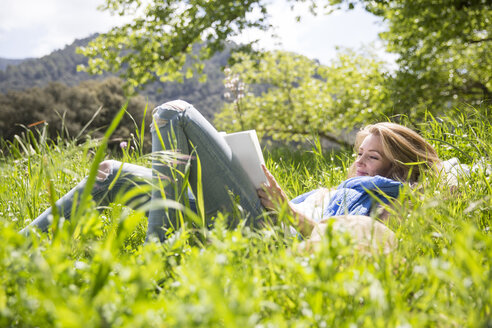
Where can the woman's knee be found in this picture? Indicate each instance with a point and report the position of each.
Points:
(177, 105)
(167, 112)
(105, 170)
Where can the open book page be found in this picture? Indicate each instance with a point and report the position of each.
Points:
(246, 148)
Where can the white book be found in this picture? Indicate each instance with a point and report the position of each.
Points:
(246, 148)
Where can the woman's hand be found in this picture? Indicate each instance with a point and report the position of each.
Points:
(271, 195)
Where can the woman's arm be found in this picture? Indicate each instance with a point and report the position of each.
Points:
(272, 197)
(367, 232)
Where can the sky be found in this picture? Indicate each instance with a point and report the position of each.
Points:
(34, 28)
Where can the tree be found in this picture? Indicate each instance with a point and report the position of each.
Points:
(158, 43)
(444, 49)
(444, 46)
(207, 96)
(298, 97)
(67, 109)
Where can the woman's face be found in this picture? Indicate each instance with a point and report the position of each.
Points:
(370, 158)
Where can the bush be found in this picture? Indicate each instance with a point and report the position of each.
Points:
(66, 110)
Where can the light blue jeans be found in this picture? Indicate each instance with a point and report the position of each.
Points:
(177, 126)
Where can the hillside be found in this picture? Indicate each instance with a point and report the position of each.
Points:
(4, 62)
(61, 66)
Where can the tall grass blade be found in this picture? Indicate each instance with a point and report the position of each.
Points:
(91, 179)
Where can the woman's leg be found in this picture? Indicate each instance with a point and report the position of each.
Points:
(129, 177)
(180, 123)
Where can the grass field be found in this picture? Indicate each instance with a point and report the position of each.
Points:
(96, 270)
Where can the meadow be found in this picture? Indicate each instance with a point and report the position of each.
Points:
(96, 271)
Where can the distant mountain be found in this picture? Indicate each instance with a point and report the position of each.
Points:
(4, 62)
(61, 66)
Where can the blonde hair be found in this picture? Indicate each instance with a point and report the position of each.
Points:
(408, 153)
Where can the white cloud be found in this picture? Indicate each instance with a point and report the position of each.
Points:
(318, 36)
(21, 14)
(33, 28)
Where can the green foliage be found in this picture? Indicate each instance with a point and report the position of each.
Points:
(61, 66)
(158, 43)
(443, 47)
(444, 52)
(299, 97)
(96, 272)
(67, 110)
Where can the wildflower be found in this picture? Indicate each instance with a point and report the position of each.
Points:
(123, 144)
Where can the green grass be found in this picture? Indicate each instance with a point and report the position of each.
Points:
(97, 272)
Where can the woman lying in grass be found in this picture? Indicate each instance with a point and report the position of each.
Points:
(388, 155)
(385, 151)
